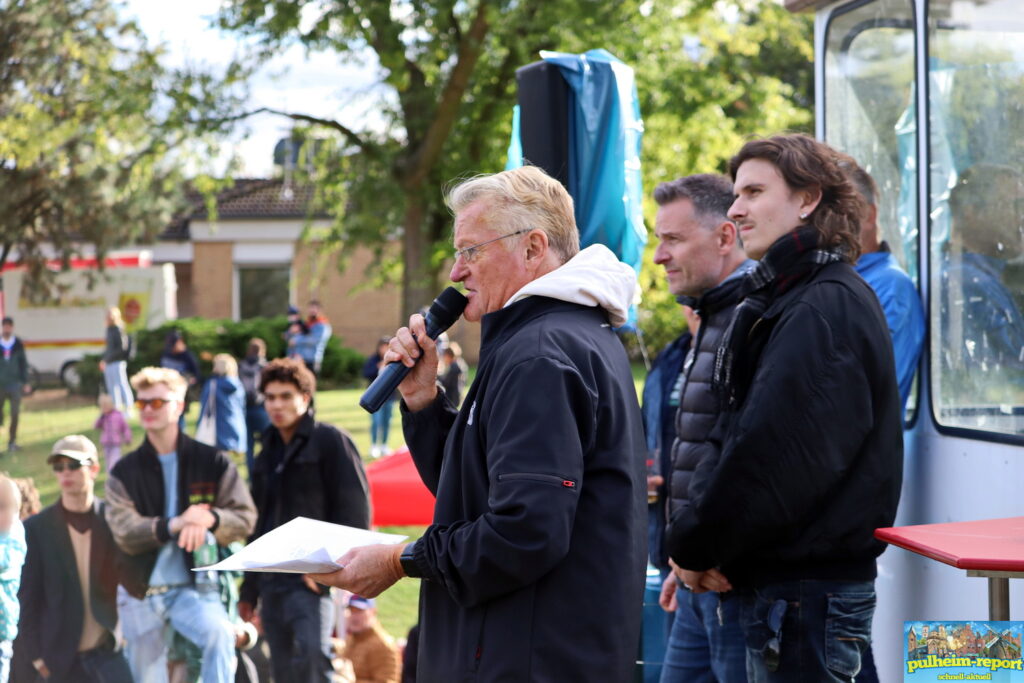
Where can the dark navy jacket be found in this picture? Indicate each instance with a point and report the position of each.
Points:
(534, 567)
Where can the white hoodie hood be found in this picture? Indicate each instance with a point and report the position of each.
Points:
(593, 277)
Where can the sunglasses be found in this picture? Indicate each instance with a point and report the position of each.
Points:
(154, 403)
(70, 466)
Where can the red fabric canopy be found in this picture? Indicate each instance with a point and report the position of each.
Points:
(397, 493)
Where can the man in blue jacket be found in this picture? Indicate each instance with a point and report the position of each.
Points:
(982, 327)
(533, 569)
(896, 291)
(311, 344)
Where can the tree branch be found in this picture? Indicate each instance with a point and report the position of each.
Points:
(347, 133)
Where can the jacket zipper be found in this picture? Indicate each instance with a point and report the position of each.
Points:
(543, 478)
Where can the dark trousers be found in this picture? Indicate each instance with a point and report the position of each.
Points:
(297, 624)
(102, 665)
(256, 423)
(12, 393)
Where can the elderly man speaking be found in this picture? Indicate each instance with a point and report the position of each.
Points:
(533, 569)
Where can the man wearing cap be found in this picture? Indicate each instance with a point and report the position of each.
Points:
(69, 581)
(166, 500)
(370, 650)
(13, 378)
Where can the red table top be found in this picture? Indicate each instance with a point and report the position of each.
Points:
(987, 544)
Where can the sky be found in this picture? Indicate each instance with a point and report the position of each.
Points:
(316, 84)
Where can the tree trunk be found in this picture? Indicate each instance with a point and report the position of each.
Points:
(418, 279)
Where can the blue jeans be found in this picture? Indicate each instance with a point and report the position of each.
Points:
(380, 423)
(807, 630)
(198, 616)
(115, 376)
(256, 422)
(297, 624)
(702, 649)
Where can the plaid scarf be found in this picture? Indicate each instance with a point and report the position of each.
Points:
(787, 262)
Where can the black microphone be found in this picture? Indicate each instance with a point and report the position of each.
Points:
(443, 313)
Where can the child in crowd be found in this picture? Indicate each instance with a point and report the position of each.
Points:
(114, 431)
(380, 421)
(12, 557)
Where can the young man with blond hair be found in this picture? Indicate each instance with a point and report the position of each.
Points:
(166, 499)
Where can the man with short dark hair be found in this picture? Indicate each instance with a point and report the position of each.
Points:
(896, 291)
(704, 262)
(306, 469)
(69, 581)
(13, 378)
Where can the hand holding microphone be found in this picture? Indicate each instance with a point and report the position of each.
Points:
(412, 356)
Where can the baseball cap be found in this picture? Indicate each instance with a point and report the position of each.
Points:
(76, 447)
(359, 602)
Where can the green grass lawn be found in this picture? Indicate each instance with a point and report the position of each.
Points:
(50, 414)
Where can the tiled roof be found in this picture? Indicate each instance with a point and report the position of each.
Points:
(248, 198)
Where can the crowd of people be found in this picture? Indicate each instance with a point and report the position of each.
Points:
(767, 450)
(106, 589)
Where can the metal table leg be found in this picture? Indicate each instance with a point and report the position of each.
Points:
(998, 598)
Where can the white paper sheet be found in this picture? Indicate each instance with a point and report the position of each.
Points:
(302, 546)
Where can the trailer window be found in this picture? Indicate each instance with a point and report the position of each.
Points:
(870, 114)
(976, 205)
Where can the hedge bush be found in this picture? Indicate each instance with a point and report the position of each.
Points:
(206, 338)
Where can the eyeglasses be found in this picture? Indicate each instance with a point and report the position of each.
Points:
(59, 467)
(154, 403)
(469, 254)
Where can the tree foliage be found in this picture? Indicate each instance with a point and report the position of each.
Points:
(709, 73)
(448, 67)
(710, 76)
(93, 129)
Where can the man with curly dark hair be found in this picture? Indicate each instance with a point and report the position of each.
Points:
(306, 469)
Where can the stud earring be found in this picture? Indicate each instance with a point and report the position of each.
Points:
(803, 216)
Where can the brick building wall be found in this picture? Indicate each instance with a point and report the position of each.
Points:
(212, 277)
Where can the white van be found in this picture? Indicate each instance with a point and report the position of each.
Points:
(60, 328)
